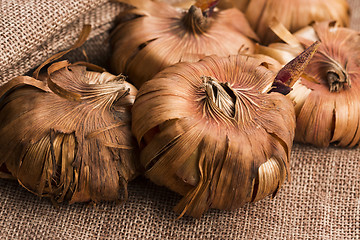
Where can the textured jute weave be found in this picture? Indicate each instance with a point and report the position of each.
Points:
(321, 202)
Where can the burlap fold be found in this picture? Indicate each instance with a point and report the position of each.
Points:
(321, 202)
(32, 32)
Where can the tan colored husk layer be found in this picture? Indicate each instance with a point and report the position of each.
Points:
(293, 14)
(327, 108)
(159, 35)
(213, 133)
(240, 4)
(68, 137)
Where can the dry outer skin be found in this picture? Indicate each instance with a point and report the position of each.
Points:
(294, 14)
(226, 142)
(161, 36)
(326, 97)
(69, 138)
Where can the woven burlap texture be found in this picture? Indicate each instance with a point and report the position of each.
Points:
(322, 201)
(32, 31)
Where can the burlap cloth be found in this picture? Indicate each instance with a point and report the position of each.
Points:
(321, 202)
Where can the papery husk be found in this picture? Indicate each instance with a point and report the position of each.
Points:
(182, 4)
(327, 112)
(68, 136)
(159, 35)
(270, 63)
(293, 14)
(214, 134)
(239, 4)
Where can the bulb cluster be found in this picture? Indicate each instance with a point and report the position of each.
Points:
(216, 113)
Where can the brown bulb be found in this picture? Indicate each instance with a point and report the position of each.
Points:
(155, 35)
(293, 14)
(68, 136)
(326, 98)
(214, 134)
